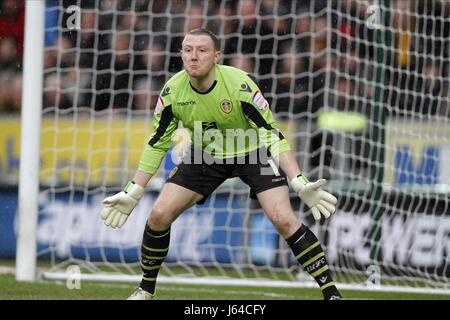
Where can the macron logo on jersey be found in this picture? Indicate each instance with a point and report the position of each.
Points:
(186, 103)
(259, 100)
(159, 106)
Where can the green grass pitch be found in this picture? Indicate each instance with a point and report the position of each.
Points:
(57, 290)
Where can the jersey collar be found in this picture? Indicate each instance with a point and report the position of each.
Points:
(207, 91)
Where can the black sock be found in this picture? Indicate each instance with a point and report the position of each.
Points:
(310, 255)
(155, 245)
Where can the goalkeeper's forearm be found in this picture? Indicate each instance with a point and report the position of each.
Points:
(288, 164)
(142, 178)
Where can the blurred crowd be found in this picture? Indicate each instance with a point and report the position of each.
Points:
(12, 16)
(125, 50)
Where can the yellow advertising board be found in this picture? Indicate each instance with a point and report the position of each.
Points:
(78, 152)
(416, 153)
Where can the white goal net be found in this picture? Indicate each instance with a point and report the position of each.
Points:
(360, 89)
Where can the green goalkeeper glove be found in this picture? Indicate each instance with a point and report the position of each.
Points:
(119, 206)
(320, 201)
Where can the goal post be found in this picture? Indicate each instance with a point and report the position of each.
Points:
(30, 141)
(359, 88)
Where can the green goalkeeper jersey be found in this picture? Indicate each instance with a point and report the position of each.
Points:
(231, 119)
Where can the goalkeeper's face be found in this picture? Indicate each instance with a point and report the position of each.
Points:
(199, 55)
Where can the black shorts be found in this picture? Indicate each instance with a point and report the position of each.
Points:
(258, 170)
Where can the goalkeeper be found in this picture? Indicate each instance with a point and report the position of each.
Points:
(213, 102)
